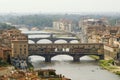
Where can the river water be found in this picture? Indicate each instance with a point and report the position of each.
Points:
(86, 69)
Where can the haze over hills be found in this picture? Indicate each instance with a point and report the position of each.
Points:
(46, 19)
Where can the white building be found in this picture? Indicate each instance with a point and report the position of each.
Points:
(65, 25)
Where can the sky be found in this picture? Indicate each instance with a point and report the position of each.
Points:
(59, 6)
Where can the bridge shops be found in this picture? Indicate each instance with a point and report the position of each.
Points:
(20, 48)
(75, 50)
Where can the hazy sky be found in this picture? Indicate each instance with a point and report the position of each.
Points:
(56, 6)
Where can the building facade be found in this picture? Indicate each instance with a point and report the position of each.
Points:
(64, 25)
(16, 41)
(5, 53)
(19, 46)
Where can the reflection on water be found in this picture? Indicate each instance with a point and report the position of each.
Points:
(86, 69)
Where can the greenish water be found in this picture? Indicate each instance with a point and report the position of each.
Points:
(86, 69)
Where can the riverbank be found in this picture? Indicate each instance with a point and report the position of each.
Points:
(10, 73)
(6, 70)
(110, 66)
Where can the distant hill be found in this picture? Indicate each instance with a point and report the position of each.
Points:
(4, 26)
(46, 20)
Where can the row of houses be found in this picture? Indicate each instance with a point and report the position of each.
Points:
(99, 31)
(70, 26)
(13, 44)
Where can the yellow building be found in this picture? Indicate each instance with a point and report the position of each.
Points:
(18, 42)
(15, 44)
(19, 46)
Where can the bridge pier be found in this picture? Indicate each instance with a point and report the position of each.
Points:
(76, 58)
(47, 59)
(68, 41)
(101, 57)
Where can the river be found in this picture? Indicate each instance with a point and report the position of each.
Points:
(86, 69)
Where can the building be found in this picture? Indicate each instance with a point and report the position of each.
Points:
(8, 35)
(50, 74)
(109, 36)
(64, 25)
(4, 52)
(19, 46)
(17, 41)
(88, 24)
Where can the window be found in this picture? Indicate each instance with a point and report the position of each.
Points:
(14, 52)
(24, 52)
(20, 45)
(20, 49)
(24, 45)
(24, 49)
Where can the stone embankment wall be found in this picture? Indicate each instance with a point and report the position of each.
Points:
(5, 70)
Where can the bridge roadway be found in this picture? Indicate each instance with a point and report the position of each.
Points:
(53, 33)
(53, 39)
(75, 50)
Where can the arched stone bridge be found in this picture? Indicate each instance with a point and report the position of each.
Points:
(75, 50)
(53, 39)
(51, 34)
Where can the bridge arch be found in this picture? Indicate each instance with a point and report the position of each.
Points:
(74, 57)
(61, 57)
(70, 57)
(74, 41)
(35, 58)
(60, 41)
(44, 41)
(31, 42)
